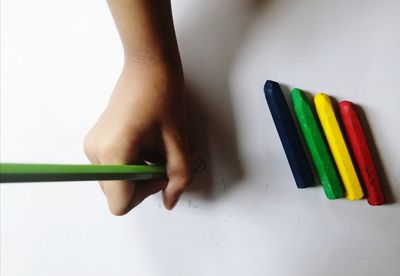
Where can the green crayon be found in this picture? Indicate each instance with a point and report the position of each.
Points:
(319, 151)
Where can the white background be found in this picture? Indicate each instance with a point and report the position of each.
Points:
(244, 215)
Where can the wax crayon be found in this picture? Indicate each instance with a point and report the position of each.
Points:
(337, 144)
(362, 153)
(317, 147)
(288, 134)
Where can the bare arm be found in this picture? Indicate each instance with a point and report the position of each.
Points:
(146, 30)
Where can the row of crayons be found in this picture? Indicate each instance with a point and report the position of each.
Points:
(332, 172)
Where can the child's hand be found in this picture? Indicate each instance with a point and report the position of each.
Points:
(144, 120)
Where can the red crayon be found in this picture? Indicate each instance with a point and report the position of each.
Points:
(362, 153)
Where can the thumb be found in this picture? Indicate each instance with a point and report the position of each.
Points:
(178, 168)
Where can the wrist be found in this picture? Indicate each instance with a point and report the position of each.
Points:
(154, 69)
(166, 57)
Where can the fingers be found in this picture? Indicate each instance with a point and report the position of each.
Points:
(122, 196)
(121, 200)
(178, 168)
(89, 152)
(145, 189)
(119, 194)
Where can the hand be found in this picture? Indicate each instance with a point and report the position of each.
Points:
(144, 120)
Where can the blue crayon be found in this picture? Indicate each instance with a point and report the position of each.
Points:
(288, 134)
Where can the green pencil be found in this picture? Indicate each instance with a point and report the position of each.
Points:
(13, 172)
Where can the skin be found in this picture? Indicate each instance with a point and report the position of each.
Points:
(145, 117)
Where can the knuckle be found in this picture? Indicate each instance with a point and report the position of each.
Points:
(89, 145)
(101, 150)
(113, 150)
(182, 179)
(186, 179)
(105, 150)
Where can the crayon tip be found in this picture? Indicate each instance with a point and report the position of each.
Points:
(322, 96)
(299, 94)
(270, 85)
(346, 105)
(296, 91)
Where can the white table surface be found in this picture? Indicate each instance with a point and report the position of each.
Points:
(243, 215)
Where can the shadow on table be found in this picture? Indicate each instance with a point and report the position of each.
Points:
(209, 45)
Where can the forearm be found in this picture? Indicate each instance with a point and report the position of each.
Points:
(146, 30)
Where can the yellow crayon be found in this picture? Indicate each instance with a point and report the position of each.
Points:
(338, 146)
